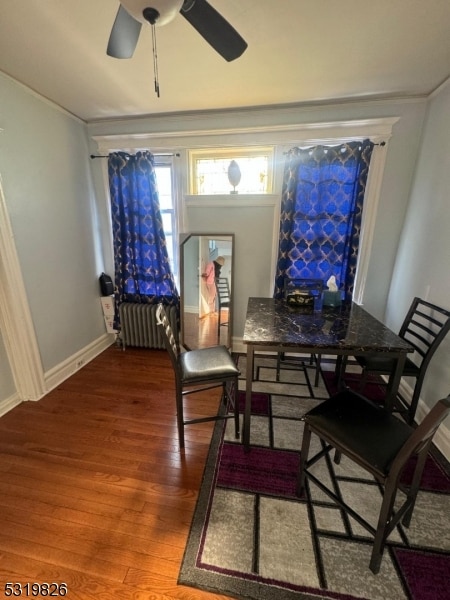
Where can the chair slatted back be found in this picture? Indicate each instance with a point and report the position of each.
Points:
(170, 342)
(424, 327)
(223, 290)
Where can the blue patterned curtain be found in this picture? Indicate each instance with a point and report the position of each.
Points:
(321, 212)
(141, 260)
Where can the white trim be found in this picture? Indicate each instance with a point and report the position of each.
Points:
(16, 322)
(63, 371)
(439, 89)
(231, 200)
(295, 133)
(42, 98)
(9, 403)
(373, 187)
(74, 363)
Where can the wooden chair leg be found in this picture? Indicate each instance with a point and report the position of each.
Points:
(384, 520)
(415, 484)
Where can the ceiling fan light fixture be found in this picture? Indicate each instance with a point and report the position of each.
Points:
(166, 9)
(203, 17)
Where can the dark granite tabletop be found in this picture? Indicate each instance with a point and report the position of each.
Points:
(349, 328)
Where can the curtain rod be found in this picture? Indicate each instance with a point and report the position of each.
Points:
(107, 155)
(340, 144)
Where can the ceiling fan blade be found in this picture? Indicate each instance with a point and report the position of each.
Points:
(124, 35)
(214, 28)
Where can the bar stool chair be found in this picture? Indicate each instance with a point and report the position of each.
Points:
(424, 328)
(200, 370)
(380, 443)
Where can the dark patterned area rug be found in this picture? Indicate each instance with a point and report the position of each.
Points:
(252, 538)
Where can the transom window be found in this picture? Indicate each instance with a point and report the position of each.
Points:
(209, 171)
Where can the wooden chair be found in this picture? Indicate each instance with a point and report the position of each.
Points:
(200, 370)
(424, 328)
(380, 443)
(223, 300)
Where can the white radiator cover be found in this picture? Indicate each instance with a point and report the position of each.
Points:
(139, 328)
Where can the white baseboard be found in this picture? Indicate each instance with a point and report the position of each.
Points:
(9, 403)
(74, 363)
(61, 372)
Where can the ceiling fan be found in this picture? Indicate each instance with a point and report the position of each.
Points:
(199, 13)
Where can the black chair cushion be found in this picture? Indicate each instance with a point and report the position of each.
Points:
(353, 424)
(207, 364)
(386, 365)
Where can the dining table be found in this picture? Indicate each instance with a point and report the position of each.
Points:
(274, 326)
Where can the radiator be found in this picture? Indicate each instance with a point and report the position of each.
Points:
(139, 328)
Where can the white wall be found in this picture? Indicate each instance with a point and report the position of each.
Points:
(48, 192)
(423, 259)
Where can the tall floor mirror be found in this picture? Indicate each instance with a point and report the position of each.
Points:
(206, 289)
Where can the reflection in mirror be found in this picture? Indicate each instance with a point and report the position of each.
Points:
(206, 287)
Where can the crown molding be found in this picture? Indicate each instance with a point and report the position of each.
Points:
(377, 130)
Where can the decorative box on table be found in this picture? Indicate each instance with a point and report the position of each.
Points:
(304, 294)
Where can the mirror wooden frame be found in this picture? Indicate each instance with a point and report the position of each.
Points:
(199, 327)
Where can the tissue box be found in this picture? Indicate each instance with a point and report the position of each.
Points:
(331, 298)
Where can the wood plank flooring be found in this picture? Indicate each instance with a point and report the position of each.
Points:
(199, 333)
(94, 492)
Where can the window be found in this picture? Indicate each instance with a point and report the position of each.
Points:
(209, 170)
(321, 213)
(167, 207)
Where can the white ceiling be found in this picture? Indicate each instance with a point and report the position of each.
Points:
(299, 51)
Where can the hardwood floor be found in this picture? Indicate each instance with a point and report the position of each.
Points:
(94, 492)
(199, 333)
